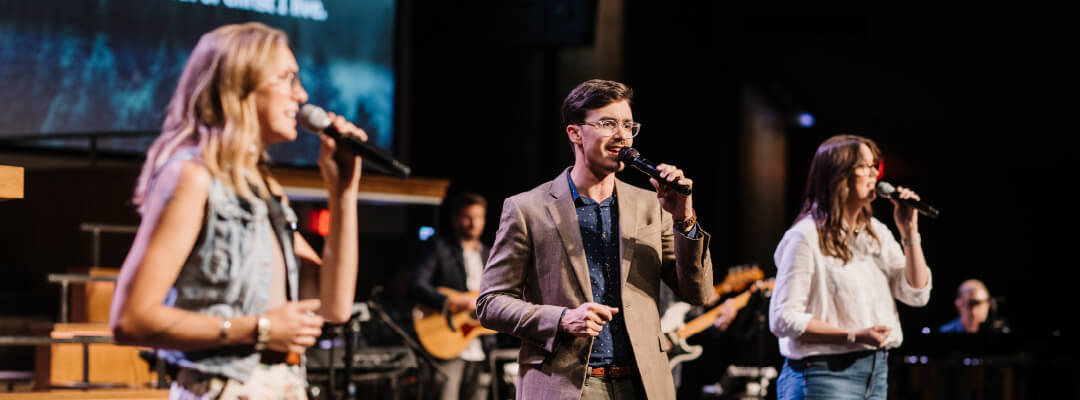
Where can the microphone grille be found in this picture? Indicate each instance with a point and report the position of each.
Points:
(627, 154)
(313, 119)
(885, 189)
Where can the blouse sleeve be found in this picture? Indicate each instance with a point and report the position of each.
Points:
(894, 260)
(795, 266)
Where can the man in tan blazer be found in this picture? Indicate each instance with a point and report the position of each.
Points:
(576, 267)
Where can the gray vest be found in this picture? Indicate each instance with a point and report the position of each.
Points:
(228, 272)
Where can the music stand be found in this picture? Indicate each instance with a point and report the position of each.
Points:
(373, 304)
(349, 328)
(412, 344)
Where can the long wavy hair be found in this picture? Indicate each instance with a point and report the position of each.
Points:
(213, 108)
(832, 173)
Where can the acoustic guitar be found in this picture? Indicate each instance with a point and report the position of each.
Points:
(445, 335)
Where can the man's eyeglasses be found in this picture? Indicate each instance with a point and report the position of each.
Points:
(975, 303)
(608, 127)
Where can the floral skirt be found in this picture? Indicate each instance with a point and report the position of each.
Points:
(277, 381)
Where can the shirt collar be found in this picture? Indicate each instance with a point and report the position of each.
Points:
(585, 200)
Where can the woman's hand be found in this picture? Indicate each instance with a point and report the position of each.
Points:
(294, 326)
(340, 170)
(907, 220)
(874, 336)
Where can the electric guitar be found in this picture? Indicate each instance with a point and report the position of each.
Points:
(681, 350)
(445, 335)
(737, 278)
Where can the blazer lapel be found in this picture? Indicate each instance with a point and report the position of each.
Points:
(628, 213)
(564, 215)
(458, 252)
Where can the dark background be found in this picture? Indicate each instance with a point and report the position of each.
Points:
(973, 107)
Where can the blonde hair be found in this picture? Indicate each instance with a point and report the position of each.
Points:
(213, 108)
(828, 187)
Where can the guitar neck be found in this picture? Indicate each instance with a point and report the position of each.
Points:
(704, 321)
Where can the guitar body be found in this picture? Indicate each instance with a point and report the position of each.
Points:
(445, 336)
(681, 351)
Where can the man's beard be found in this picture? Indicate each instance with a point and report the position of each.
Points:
(465, 235)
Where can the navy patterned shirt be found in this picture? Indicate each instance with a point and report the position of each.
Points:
(599, 223)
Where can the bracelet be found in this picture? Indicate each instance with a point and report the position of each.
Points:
(851, 337)
(685, 224)
(262, 333)
(914, 240)
(225, 325)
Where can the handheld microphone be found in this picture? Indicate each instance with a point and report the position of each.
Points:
(314, 119)
(886, 190)
(631, 157)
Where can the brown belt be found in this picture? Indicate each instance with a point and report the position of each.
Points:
(613, 372)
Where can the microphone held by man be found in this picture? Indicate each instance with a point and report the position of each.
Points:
(632, 157)
(314, 119)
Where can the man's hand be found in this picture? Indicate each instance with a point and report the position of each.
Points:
(456, 303)
(727, 314)
(679, 205)
(587, 319)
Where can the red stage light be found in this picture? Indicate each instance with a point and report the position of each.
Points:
(319, 221)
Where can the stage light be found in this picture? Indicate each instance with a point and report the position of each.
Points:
(806, 120)
(426, 232)
(319, 221)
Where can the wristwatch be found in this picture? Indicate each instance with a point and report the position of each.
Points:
(224, 334)
(262, 333)
(687, 223)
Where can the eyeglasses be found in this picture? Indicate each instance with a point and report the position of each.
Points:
(975, 303)
(608, 127)
(864, 169)
(291, 77)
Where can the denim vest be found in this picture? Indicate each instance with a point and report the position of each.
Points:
(228, 272)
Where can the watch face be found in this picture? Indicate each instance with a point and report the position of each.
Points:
(263, 332)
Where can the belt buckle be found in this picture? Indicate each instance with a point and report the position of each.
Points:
(609, 371)
(598, 372)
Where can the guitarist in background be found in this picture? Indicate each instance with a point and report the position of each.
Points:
(457, 263)
(724, 343)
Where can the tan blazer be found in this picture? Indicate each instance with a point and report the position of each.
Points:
(537, 269)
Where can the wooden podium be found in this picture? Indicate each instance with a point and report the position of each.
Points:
(109, 365)
(11, 182)
(83, 354)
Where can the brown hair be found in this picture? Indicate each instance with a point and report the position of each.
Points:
(212, 107)
(828, 187)
(590, 95)
(465, 199)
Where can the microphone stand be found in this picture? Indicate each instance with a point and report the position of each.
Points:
(412, 344)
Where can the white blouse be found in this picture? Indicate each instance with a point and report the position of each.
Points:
(851, 296)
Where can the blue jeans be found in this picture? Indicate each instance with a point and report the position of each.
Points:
(861, 375)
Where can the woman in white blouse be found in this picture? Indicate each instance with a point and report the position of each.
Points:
(838, 271)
